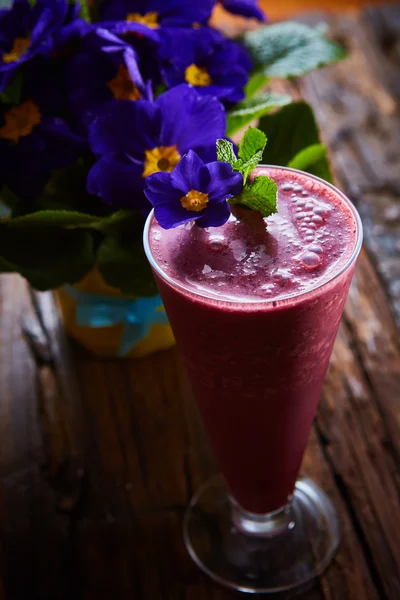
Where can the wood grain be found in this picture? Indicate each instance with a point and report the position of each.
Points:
(356, 103)
(98, 459)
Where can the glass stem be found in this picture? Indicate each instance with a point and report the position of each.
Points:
(262, 525)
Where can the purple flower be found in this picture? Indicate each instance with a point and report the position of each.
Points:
(34, 139)
(67, 38)
(205, 59)
(26, 31)
(193, 191)
(246, 8)
(146, 17)
(137, 139)
(105, 69)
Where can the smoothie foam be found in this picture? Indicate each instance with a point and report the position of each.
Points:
(309, 240)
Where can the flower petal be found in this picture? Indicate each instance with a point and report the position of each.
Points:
(215, 217)
(187, 11)
(190, 174)
(190, 120)
(124, 28)
(158, 189)
(172, 215)
(246, 8)
(62, 146)
(224, 183)
(133, 67)
(165, 199)
(117, 181)
(125, 126)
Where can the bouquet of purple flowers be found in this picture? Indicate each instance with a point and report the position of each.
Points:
(98, 96)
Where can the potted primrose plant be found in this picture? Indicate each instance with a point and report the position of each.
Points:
(95, 98)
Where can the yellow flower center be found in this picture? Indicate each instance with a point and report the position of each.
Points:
(150, 19)
(122, 86)
(194, 200)
(197, 75)
(162, 158)
(20, 121)
(19, 47)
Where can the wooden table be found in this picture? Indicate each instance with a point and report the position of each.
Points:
(99, 459)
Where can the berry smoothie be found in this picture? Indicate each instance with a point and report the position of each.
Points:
(255, 306)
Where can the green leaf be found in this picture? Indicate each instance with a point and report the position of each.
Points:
(160, 89)
(289, 132)
(123, 220)
(85, 10)
(253, 141)
(66, 190)
(8, 202)
(124, 265)
(47, 258)
(248, 167)
(291, 49)
(260, 194)
(12, 94)
(256, 82)
(253, 108)
(114, 223)
(67, 219)
(313, 159)
(122, 261)
(225, 152)
(308, 156)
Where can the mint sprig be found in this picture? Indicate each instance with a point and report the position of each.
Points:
(260, 194)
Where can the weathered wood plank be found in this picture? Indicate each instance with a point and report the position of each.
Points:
(17, 393)
(357, 107)
(349, 574)
(356, 442)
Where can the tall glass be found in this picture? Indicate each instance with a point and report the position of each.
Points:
(257, 369)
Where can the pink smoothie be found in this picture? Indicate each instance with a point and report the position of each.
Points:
(255, 309)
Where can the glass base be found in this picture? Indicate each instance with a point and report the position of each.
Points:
(293, 545)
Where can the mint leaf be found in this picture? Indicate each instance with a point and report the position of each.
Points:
(250, 152)
(260, 194)
(248, 167)
(225, 152)
(290, 131)
(252, 109)
(253, 141)
(290, 49)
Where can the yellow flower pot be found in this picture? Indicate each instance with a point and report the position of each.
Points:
(105, 341)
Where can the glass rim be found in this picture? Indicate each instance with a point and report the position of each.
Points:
(266, 302)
